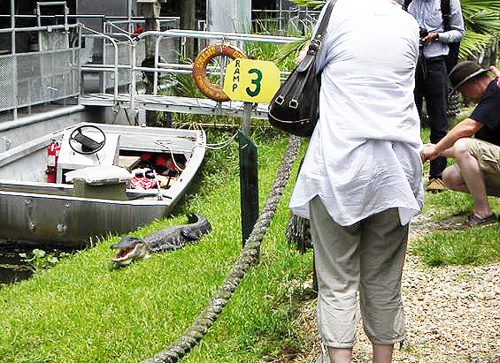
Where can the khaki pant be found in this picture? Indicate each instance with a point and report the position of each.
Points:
(488, 157)
(367, 257)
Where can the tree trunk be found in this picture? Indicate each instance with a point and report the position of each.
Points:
(188, 21)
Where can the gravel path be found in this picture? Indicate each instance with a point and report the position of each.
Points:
(452, 314)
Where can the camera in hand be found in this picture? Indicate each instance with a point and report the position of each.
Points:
(423, 33)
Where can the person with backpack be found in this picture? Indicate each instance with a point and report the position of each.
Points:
(441, 29)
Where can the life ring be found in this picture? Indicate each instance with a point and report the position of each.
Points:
(200, 64)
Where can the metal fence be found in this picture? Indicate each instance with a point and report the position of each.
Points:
(52, 68)
(7, 82)
(169, 48)
(295, 21)
(32, 78)
(47, 69)
(47, 76)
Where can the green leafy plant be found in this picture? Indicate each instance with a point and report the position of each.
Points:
(39, 259)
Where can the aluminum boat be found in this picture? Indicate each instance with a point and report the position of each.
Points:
(58, 189)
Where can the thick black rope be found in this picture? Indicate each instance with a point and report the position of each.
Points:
(249, 256)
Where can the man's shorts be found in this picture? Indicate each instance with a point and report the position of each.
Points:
(488, 156)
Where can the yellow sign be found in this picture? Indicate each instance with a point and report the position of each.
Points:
(250, 80)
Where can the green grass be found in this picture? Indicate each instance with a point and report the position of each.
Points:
(471, 246)
(474, 246)
(442, 206)
(80, 311)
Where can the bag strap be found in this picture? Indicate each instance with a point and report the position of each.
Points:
(316, 41)
(446, 14)
(406, 4)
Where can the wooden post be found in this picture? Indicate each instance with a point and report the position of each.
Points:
(246, 119)
(249, 185)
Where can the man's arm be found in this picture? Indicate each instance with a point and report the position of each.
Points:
(456, 26)
(465, 128)
(496, 72)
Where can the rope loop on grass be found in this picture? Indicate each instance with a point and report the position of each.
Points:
(249, 256)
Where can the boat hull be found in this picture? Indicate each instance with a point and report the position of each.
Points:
(69, 222)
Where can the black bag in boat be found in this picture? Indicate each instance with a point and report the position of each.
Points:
(295, 107)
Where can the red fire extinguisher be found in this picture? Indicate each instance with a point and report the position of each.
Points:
(52, 156)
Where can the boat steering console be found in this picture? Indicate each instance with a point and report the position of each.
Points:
(88, 145)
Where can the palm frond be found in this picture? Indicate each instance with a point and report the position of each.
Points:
(288, 53)
(473, 43)
(484, 22)
(312, 4)
(470, 7)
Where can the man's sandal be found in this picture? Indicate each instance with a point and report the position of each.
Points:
(474, 221)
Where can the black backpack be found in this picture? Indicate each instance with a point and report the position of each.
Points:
(452, 57)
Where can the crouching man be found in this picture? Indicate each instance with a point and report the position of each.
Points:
(477, 167)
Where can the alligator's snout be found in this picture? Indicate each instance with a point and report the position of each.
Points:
(129, 249)
(126, 242)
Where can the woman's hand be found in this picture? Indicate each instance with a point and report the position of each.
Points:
(303, 52)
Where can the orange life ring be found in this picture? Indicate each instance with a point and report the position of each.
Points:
(201, 80)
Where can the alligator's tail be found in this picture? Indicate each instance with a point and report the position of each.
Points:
(199, 222)
(193, 218)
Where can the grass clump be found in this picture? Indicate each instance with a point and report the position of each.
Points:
(447, 204)
(473, 246)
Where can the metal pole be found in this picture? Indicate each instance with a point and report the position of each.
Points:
(133, 86)
(14, 57)
(129, 17)
(37, 28)
(246, 119)
(102, 76)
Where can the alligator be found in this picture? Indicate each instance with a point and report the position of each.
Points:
(167, 239)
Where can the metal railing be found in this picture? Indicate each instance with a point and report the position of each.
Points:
(113, 54)
(168, 67)
(285, 21)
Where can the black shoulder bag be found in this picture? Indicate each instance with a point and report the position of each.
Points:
(295, 107)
